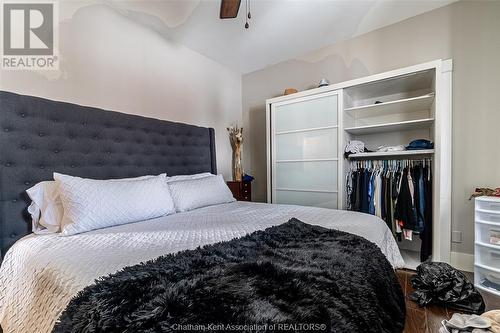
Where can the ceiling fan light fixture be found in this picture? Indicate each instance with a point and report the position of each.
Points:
(248, 16)
(229, 9)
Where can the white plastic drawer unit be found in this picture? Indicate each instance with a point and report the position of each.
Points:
(487, 244)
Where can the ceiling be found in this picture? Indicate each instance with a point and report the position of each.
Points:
(279, 29)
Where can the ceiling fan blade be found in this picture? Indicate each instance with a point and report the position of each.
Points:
(229, 8)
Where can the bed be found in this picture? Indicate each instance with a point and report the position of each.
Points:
(40, 274)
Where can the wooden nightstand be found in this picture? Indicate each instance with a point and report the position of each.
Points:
(242, 191)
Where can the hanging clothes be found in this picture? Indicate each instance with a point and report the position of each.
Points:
(399, 192)
(405, 209)
(377, 195)
(419, 200)
(348, 185)
(383, 196)
(364, 191)
(371, 194)
(426, 234)
(395, 194)
(357, 193)
(389, 209)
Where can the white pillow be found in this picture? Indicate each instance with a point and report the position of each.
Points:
(46, 208)
(201, 192)
(93, 204)
(179, 178)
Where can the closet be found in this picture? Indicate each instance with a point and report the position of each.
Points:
(307, 133)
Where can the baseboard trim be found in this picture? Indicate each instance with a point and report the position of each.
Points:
(462, 261)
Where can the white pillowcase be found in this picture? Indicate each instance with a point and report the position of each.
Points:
(46, 208)
(93, 204)
(179, 178)
(201, 192)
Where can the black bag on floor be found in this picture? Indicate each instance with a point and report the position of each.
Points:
(439, 283)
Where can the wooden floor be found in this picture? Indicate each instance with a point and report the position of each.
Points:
(428, 319)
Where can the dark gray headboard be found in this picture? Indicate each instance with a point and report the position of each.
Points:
(40, 136)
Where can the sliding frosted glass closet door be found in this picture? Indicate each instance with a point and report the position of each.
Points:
(304, 150)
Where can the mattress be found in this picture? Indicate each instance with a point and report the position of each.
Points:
(41, 273)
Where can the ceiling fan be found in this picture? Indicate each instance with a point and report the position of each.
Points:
(229, 10)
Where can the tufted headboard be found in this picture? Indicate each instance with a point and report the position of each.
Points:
(40, 136)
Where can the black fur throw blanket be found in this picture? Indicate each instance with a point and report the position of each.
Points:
(293, 277)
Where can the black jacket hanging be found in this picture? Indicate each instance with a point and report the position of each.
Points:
(404, 207)
(365, 179)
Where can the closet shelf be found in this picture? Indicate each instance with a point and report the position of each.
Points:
(419, 103)
(422, 80)
(393, 153)
(391, 127)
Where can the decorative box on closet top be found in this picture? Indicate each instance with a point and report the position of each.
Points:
(307, 132)
(487, 244)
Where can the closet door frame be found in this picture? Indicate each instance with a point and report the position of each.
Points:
(271, 143)
(441, 228)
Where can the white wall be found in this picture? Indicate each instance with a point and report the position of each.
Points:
(108, 61)
(466, 31)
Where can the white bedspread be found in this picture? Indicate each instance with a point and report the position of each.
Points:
(41, 273)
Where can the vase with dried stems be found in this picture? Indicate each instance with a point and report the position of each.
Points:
(236, 139)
